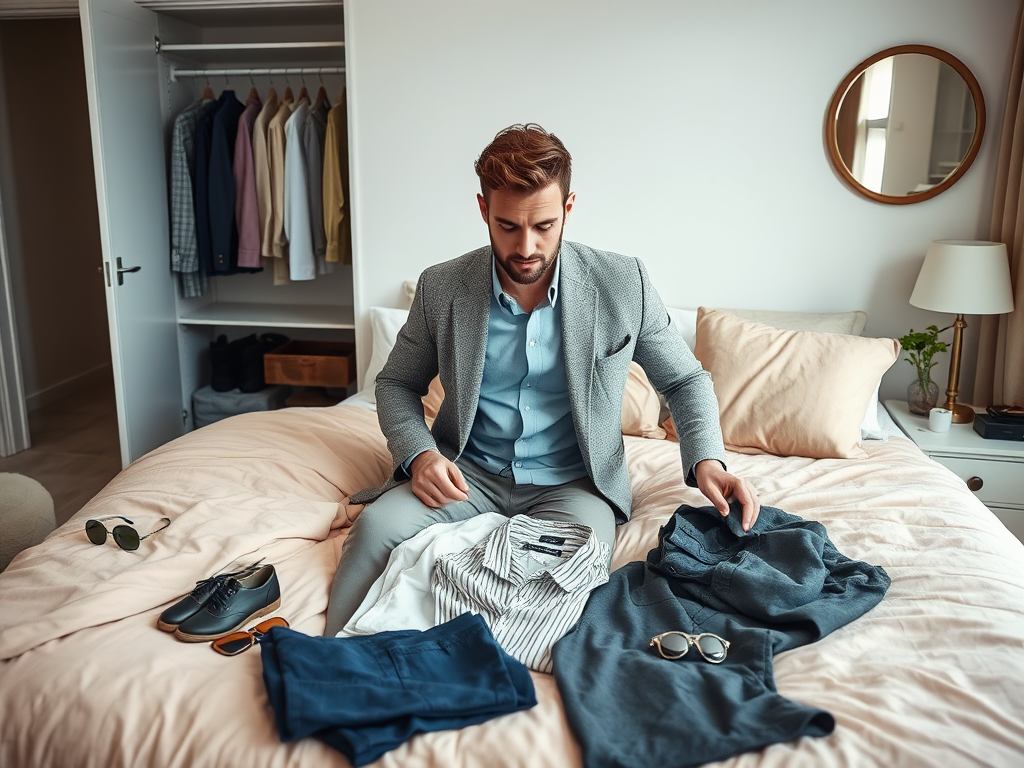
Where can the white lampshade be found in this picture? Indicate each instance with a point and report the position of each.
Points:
(968, 277)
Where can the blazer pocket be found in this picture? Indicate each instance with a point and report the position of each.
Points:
(617, 348)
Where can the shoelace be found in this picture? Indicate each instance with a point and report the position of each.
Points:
(207, 586)
(225, 592)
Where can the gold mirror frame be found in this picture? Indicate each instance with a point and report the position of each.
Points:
(831, 116)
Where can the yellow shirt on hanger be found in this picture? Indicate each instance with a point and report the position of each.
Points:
(337, 225)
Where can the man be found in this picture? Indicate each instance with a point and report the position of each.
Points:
(532, 338)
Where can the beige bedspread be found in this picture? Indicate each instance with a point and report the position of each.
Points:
(933, 676)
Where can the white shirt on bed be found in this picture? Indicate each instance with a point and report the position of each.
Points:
(400, 598)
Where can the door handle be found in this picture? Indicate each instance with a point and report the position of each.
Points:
(121, 271)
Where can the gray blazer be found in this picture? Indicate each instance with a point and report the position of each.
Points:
(611, 315)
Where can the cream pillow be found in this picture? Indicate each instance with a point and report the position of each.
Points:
(790, 393)
(685, 322)
(385, 323)
(821, 322)
(641, 406)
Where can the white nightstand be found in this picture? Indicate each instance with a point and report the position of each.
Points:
(993, 469)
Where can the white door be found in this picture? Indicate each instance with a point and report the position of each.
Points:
(128, 151)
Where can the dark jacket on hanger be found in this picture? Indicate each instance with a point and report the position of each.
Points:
(223, 228)
(781, 585)
(201, 184)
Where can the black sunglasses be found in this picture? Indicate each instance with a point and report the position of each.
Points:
(126, 537)
(674, 645)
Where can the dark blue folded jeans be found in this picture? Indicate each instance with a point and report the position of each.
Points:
(367, 695)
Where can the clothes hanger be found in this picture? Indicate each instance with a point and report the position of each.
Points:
(253, 93)
(271, 93)
(287, 87)
(303, 93)
(322, 93)
(208, 91)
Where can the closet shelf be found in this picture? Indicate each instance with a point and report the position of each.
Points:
(293, 54)
(271, 315)
(234, 5)
(232, 14)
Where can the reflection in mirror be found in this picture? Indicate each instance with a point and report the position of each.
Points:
(905, 124)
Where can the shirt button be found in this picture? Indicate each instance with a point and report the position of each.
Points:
(519, 463)
(527, 408)
(533, 343)
(528, 384)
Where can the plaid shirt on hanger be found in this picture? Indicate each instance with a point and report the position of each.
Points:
(184, 247)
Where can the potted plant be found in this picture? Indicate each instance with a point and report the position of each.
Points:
(921, 347)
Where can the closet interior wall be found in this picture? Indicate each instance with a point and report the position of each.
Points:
(242, 304)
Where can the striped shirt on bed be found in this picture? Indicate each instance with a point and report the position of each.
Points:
(529, 579)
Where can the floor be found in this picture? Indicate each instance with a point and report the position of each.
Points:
(75, 450)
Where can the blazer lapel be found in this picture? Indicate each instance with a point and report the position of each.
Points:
(471, 305)
(578, 298)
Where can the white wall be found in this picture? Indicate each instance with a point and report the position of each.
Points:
(696, 133)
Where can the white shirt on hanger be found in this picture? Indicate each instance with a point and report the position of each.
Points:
(297, 227)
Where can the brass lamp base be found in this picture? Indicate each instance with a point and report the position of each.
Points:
(962, 414)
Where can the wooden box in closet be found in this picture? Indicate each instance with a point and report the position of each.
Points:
(137, 54)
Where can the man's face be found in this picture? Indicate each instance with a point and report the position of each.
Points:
(526, 230)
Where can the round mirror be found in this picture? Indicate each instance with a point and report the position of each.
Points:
(905, 124)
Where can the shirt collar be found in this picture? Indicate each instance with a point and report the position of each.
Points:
(504, 300)
(584, 569)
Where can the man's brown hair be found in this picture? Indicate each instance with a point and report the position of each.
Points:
(525, 158)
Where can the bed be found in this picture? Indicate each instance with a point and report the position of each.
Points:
(934, 675)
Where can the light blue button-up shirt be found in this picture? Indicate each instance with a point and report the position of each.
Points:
(524, 417)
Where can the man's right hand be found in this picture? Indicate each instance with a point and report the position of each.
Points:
(437, 481)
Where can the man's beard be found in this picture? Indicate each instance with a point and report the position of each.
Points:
(547, 261)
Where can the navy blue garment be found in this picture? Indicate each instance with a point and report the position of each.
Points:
(201, 184)
(223, 226)
(781, 585)
(367, 695)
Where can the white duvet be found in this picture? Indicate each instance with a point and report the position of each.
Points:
(933, 676)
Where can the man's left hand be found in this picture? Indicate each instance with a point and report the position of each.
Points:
(718, 485)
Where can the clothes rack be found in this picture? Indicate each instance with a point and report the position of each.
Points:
(175, 73)
(179, 47)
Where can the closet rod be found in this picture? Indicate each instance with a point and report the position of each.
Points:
(286, 71)
(164, 47)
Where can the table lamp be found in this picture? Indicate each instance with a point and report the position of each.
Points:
(966, 277)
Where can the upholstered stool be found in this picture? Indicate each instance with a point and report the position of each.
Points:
(26, 515)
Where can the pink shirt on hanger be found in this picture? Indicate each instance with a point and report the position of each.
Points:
(247, 214)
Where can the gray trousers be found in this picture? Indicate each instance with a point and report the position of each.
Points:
(399, 515)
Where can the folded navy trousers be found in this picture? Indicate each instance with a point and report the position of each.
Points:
(367, 695)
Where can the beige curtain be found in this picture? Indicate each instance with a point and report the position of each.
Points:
(1000, 373)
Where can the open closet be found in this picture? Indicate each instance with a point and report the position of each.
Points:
(146, 62)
